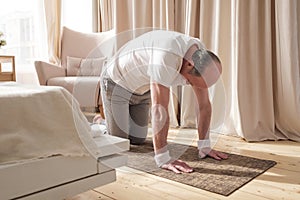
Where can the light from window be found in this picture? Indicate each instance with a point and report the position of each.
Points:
(77, 15)
(22, 24)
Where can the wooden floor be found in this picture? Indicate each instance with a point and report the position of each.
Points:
(279, 182)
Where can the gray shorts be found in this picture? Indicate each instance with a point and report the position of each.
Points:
(126, 113)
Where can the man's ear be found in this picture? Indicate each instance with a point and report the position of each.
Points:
(190, 64)
(187, 64)
(186, 67)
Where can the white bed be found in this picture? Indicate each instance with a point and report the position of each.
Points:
(47, 148)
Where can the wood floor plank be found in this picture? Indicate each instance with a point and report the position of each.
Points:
(282, 180)
(123, 190)
(284, 155)
(279, 175)
(273, 191)
(129, 185)
(90, 195)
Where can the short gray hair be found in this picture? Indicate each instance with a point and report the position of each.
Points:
(201, 59)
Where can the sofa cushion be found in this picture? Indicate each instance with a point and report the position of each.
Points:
(86, 90)
(81, 45)
(91, 66)
(73, 65)
(84, 66)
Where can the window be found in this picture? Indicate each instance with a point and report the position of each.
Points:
(23, 25)
(77, 15)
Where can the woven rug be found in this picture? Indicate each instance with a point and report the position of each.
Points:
(221, 177)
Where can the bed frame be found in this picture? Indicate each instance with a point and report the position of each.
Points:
(60, 177)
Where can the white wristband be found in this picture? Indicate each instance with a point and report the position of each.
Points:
(162, 158)
(204, 147)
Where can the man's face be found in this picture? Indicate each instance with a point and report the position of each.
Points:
(212, 73)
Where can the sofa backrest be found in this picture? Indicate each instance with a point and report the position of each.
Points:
(81, 45)
(86, 53)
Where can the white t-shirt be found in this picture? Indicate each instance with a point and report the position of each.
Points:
(155, 56)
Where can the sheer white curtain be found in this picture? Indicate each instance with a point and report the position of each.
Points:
(23, 24)
(53, 24)
(287, 68)
(236, 32)
(132, 14)
(103, 15)
(75, 14)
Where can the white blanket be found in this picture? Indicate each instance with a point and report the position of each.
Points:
(41, 121)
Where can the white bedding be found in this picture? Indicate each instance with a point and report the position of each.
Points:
(41, 121)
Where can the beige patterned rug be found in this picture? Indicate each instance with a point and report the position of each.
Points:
(221, 177)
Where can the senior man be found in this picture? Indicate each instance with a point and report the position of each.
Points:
(140, 75)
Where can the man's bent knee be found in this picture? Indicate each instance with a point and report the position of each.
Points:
(136, 140)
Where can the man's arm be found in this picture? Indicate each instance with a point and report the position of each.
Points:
(160, 126)
(160, 115)
(203, 112)
(203, 118)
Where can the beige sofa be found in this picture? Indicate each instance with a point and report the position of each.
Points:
(83, 56)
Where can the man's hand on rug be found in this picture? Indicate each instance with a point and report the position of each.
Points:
(178, 167)
(217, 155)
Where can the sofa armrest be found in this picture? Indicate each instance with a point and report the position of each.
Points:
(45, 71)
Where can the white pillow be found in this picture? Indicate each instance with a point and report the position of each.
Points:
(85, 66)
(73, 65)
(91, 66)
